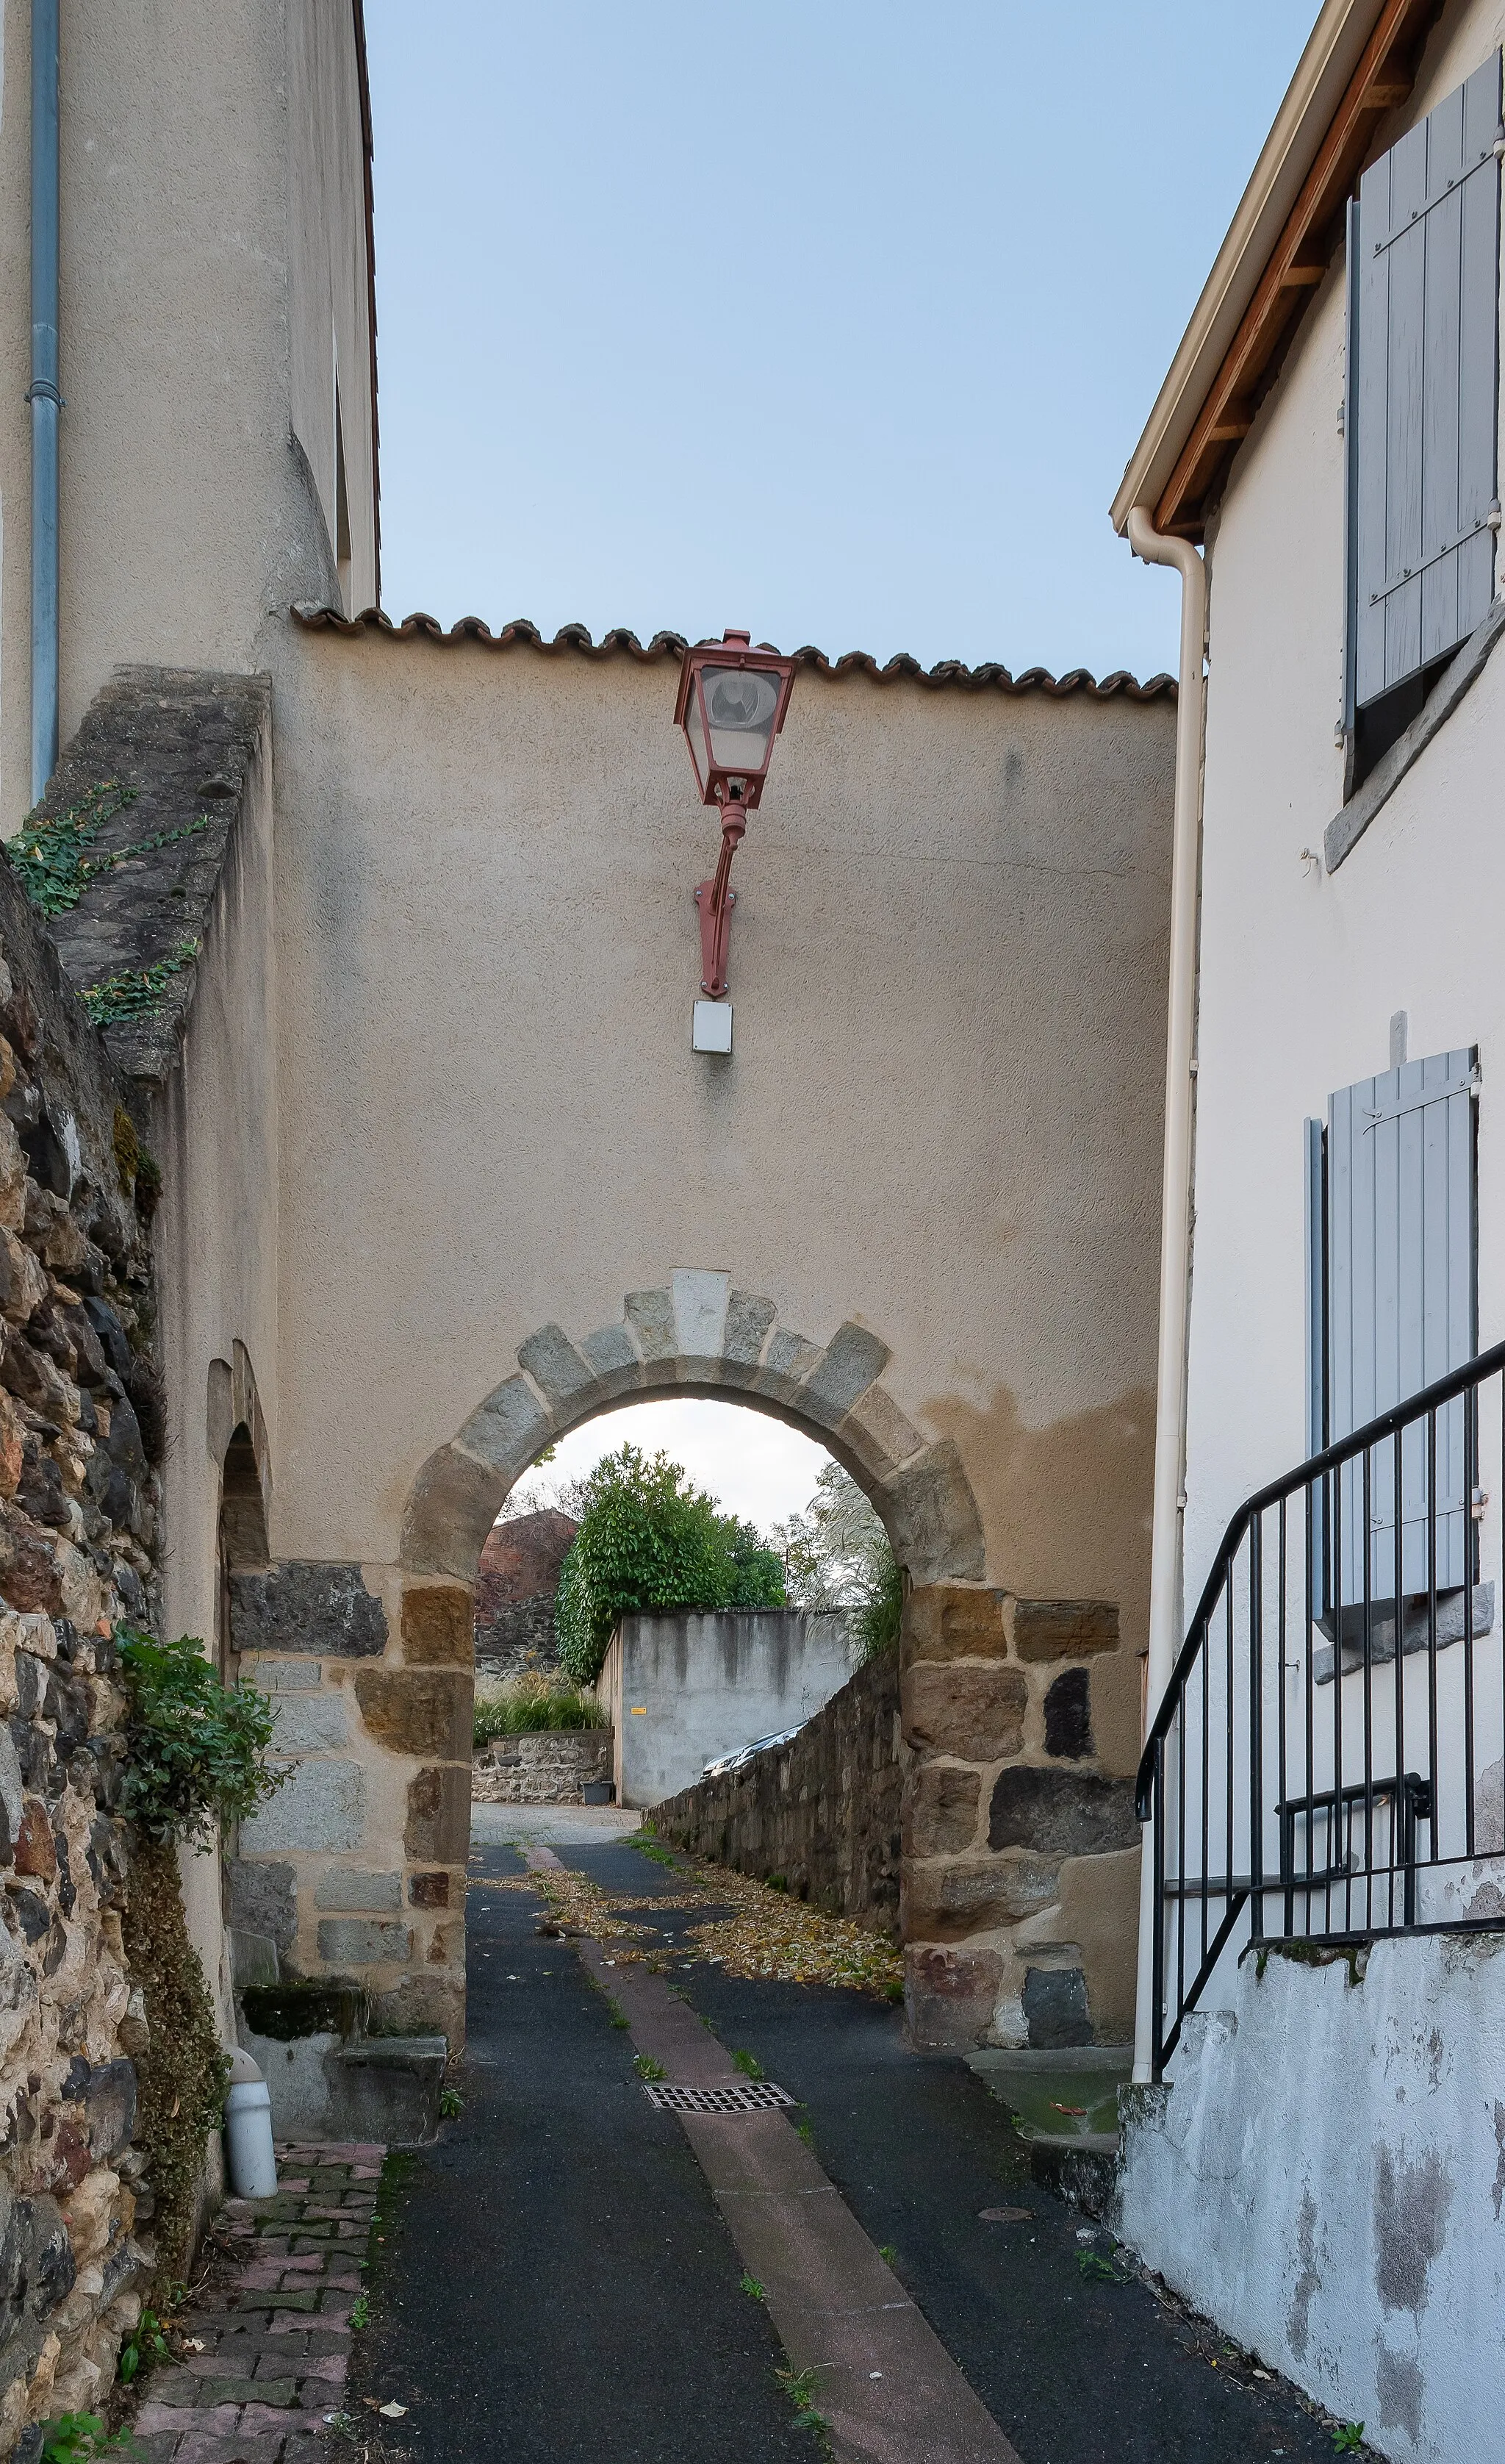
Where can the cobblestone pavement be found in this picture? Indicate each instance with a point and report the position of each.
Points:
(265, 2341)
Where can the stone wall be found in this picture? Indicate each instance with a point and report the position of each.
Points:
(823, 1810)
(515, 1588)
(1021, 1852)
(553, 1767)
(81, 1433)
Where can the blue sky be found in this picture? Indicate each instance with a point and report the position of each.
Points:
(836, 318)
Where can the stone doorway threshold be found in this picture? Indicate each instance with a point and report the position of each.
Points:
(884, 2380)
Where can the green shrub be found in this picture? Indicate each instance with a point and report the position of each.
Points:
(649, 1540)
(195, 1746)
(526, 1704)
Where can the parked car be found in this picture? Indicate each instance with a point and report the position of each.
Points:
(735, 1762)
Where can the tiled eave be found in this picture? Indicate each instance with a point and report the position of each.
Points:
(619, 642)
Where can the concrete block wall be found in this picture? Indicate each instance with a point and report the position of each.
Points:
(683, 1687)
(1021, 1852)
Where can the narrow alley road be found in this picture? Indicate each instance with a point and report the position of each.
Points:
(559, 2284)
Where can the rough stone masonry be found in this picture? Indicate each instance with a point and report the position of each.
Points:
(80, 1424)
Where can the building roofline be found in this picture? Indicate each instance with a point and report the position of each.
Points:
(620, 643)
(1358, 65)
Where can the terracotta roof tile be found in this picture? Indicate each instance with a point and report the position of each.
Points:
(620, 643)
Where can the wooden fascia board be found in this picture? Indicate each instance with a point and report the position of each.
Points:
(1383, 76)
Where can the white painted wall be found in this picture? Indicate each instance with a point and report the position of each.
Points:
(1326, 2179)
(685, 1687)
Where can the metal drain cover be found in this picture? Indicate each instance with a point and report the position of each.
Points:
(759, 2095)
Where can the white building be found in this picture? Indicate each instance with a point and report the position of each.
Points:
(1325, 2172)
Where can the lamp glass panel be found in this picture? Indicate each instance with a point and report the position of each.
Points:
(694, 729)
(741, 704)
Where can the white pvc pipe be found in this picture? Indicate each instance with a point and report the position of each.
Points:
(1176, 1205)
(252, 2163)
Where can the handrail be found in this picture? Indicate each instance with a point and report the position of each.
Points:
(1387, 1424)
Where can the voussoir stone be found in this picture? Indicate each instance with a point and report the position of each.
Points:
(506, 1431)
(454, 1503)
(1063, 1629)
(652, 1318)
(700, 1298)
(879, 1433)
(1060, 1813)
(555, 1367)
(438, 1626)
(932, 1518)
(852, 1361)
(309, 1605)
(787, 1362)
(423, 1711)
(613, 1360)
(747, 1322)
(975, 1712)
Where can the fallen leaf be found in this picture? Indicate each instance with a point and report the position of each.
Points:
(392, 2412)
(1078, 2109)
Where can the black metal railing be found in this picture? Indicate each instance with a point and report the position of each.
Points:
(1328, 1761)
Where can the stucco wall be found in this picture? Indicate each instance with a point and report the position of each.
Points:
(682, 1689)
(193, 276)
(1324, 2180)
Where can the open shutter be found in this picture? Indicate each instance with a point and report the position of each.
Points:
(1400, 1283)
(1425, 389)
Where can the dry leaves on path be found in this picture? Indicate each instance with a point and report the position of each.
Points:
(769, 1934)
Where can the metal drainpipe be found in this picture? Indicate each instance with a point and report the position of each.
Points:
(42, 393)
(1155, 548)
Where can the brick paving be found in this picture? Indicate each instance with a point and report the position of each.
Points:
(271, 2321)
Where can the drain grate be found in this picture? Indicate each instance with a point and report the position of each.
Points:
(759, 2095)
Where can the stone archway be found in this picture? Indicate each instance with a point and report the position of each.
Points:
(697, 1336)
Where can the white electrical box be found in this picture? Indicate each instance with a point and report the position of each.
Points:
(712, 1027)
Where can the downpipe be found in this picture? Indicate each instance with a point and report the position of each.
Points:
(43, 395)
(1155, 548)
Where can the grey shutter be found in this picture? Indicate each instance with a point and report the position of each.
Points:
(1400, 1283)
(1426, 388)
(1316, 1204)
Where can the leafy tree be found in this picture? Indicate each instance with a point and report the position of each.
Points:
(836, 1556)
(650, 1540)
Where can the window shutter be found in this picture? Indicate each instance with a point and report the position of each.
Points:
(1315, 1194)
(1424, 388)
(1401, 1249)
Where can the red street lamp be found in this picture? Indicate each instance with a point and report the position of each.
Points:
(732, 705)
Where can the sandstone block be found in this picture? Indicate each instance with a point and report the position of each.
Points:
(438, 1631)
(949, 1621)
(976, 1894)
(1061, 1813)
(975, 1713)
(429, 1890)
(425, 1711)
(438, 1828)
(454, 1504)
(363, 1942)
(942, 1813)
(321, 1806)
(1063, 1629)
(307, 1605)
(877, 1430)
(348, 1888)
(950, 1995)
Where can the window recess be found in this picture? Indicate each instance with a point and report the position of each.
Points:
(1421, 411)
